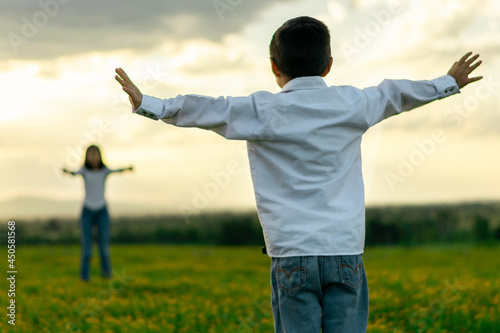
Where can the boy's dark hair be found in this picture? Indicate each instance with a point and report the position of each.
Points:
(87, 164)
(301, 47)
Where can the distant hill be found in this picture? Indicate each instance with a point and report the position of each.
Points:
(36, 207)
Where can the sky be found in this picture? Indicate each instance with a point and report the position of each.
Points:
(57, 61)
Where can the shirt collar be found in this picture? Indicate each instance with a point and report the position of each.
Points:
(304, 83)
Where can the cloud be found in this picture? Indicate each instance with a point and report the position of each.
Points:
(50, 28)
(413, 30)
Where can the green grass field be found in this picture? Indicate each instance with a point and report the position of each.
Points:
(159, 288)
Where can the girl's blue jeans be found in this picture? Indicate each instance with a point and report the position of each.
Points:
(315, 293)
(89, 219)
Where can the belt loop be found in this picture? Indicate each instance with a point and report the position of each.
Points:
(264, 250)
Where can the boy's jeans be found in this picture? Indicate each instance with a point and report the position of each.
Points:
(89, 218)
(313, 293)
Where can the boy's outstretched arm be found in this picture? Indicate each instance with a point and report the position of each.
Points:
(129, 87)
(234, 118)
(461, 70)
(392, 97)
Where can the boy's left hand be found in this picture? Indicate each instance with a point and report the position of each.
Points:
(461, 70)
(129, 87)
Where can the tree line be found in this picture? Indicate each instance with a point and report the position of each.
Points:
(388, 225)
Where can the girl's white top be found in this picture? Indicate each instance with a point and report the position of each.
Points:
(94, 186)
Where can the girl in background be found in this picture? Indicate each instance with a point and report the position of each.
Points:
(94, 173)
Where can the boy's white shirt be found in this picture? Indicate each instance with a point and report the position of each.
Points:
(304, 151)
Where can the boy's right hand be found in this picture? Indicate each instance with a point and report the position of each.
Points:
(461, 69)
(129, 87)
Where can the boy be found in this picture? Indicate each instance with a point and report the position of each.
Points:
(304, 151)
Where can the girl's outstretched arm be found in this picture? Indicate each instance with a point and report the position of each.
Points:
(73, 173)
(130, 168)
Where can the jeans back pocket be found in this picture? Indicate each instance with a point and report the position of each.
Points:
(291, 273)
(351, 270)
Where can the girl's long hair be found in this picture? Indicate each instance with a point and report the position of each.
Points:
(87, 164)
